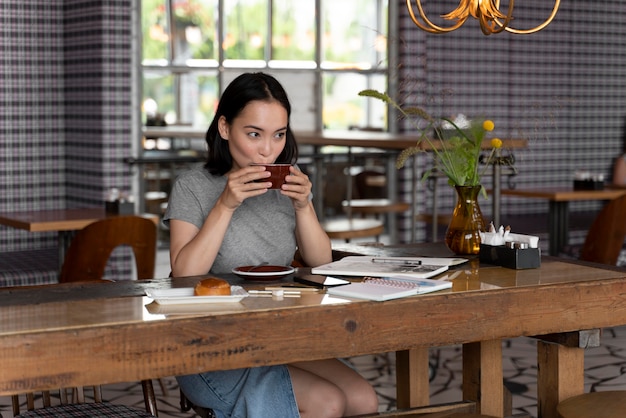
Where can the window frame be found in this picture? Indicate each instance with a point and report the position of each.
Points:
(270, 65)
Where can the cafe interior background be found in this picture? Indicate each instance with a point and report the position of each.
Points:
(74, 83)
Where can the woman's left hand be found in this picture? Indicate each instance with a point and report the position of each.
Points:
(297, 187)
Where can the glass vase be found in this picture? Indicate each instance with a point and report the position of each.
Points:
(463, 234)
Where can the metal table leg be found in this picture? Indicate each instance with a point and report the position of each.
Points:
(558, 222)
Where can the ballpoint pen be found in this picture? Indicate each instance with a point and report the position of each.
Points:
(396, 261)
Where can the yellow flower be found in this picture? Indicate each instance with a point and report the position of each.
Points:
(496, 143)
(488, 125)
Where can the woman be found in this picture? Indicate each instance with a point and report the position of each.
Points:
(223, 216)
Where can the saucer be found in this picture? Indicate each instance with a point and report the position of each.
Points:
(263, 273)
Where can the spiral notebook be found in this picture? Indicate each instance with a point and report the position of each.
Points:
(386, 288)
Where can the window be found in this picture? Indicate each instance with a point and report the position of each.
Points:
(323, 57)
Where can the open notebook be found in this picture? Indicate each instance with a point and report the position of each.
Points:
(388, 288)
(409, 267)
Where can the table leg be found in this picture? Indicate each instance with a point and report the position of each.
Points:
(482, 376)
(318, 183)
(412, 371)
(65, 239)
(392, 193)
(560, 375)
(495, 205)
(558, 224)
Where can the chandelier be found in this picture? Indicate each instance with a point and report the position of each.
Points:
(488, 13)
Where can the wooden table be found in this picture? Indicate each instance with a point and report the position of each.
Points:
(558, 216)
(365, 139)
(63, 221)
(82, 334)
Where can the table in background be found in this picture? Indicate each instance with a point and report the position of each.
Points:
(120, 340)
(62, 221)
(391, 143)
(379, 140)
(558, 200)
(157, 170)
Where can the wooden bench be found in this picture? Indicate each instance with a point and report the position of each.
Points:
(29, 267)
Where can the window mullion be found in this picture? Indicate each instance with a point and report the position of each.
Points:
(269, 34)
(319, 123)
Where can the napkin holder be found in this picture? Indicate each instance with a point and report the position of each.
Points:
(119, 207)
(588, 185)
(586, 180)
(510, 257)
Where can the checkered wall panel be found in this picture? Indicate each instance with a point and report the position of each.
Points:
(97, 47)
(66, 111)
(65, 107)
(32, 148)
(563, 89)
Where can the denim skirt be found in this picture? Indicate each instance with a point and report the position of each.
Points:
(258, 392)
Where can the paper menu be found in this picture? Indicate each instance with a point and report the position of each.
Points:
(411, 267)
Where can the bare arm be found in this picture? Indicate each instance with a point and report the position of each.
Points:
(619, 172)
(193, 250)
(313, 242)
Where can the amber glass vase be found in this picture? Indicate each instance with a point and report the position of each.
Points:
(463, 234)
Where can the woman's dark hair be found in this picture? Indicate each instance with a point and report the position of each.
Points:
(242, 90)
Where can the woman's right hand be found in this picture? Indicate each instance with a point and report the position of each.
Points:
(243, 183)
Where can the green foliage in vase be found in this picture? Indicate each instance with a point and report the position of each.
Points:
(458, 155)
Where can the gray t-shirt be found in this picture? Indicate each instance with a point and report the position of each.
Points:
(262, 228)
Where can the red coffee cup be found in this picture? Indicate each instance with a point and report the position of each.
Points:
(278, 174)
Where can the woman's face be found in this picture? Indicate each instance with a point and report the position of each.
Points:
(257, 135)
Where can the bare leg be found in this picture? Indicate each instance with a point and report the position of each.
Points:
(329, 388)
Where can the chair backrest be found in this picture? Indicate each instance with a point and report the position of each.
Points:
(50, 398)
(91, 247)
(371, 184)
(605, 238)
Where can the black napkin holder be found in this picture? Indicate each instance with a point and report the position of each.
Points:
(117, 207)
(513, 258)
(588, 185)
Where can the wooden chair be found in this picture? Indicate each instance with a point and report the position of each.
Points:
(610, 404)
(91, 247)
(86, 260)
(464, 409)
(370, 187)
(369, 199)
(71, 403)
(605, 238)
(348, 229)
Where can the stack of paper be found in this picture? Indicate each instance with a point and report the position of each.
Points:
(410, 267)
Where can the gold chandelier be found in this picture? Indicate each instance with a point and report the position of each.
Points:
(488, 13)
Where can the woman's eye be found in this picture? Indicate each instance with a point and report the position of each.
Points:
(280, 135)
(253, 134)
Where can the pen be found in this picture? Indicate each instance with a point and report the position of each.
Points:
(397, 261)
